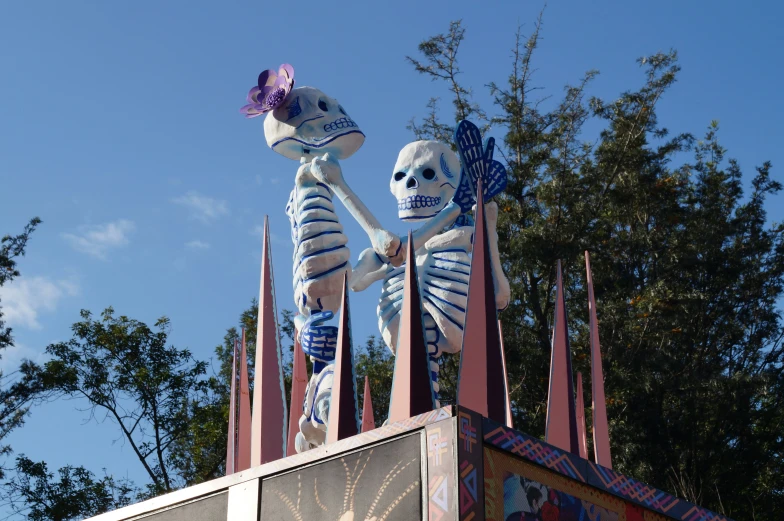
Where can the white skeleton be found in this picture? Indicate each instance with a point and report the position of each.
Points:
(315, 129)
(424, 181)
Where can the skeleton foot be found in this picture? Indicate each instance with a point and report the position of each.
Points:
(315, 409)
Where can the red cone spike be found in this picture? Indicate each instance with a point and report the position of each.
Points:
(561, 424)
(582, 437)
(601, 432)
(368, 422)
(268, 439)
(506, 379)
(343, 410)
(299, 382)
(412, 387)
(244, 436)
(481, 379)
(231, 453)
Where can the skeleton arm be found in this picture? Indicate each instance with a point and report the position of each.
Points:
(502, 291)
(328, 171)
(368, 270)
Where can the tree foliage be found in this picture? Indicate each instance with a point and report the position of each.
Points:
(687, 271)
(153, 392)
(15, 394)
(75, 493)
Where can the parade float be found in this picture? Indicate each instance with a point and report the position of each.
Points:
(442, 289)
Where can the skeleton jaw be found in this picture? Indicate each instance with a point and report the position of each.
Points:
(417, 207)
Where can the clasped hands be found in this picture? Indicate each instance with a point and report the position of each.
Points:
(386, 244)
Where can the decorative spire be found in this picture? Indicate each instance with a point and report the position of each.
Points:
(480, 385)
(244, 437)
(231, 453)
(343, 410)
(601, 432)
(299, 382)
(368, 422)
(561, 424)
(582, 437)
(412, 386)
(509, 422)
(268, 439)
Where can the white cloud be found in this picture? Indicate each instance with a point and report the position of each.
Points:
(260, 180)
(13, 356)
(97, 240)
(258, 231)
(197, 245)
(203, 208)
(26, 298)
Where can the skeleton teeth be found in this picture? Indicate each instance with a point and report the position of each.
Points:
(339, 124)
(417, 201)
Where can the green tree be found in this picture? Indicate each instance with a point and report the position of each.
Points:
(74, 494)
(16, 394)
(687, 271)
(375, 361)
(153, 392)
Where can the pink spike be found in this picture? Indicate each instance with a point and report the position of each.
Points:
(231, 454)
(299, 382)
(244, 437)
(412, 387)
(506, 378)
(582, 437)
(368, 422)
(601, 431)
(480, 384)
(268, 429)
(343, 420)
(561, 423)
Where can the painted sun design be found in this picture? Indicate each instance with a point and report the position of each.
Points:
(348, 510)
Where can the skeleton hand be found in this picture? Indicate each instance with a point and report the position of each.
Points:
(390, 246)
(368, 270)
(327, 170)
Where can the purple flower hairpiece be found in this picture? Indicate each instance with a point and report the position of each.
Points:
(271, 91)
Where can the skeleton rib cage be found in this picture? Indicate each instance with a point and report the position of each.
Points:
(442, 272)
(321, 256)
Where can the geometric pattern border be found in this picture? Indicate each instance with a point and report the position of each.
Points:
(572, 466)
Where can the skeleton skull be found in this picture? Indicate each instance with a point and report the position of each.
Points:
(424, 180)
(310, 123)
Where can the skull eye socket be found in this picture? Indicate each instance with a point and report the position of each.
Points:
(429, 173)
(342, 111)
(322, 105)
(399, 176)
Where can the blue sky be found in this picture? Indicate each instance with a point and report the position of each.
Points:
(119, 127)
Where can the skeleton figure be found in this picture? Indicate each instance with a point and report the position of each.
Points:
(425, 183)
(314, 128)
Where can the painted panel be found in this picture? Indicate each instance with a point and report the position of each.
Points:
(516, 490)
(442, 503)
(470, 465)
(379, 482)
(212, 508)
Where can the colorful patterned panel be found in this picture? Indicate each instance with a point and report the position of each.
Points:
(470, 465)
(442, 504)
(567, 464)
(517, 490)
